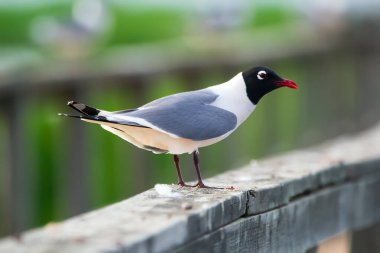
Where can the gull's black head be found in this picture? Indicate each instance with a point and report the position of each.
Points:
(262, 80)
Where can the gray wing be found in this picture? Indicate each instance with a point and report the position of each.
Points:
(187, 115)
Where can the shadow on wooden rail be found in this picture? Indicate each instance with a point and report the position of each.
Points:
(287, 203)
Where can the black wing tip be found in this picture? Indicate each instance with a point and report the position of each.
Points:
(84, 109)
(72, 103)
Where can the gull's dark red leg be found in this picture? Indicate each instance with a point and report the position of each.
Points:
(200, 183)
(180, 180)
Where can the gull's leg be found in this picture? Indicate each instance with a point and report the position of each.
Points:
(200, 183)
(180, 180)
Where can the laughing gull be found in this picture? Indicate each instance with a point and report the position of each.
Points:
(184, 122)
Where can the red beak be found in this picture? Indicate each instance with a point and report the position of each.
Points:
(287, 83)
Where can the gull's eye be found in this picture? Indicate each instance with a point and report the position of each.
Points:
(261, 75)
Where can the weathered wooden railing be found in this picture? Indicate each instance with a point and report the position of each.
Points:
(287, 203)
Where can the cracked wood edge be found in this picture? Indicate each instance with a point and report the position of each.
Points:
(300, 225)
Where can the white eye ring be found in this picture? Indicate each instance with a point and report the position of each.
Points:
(261, 75)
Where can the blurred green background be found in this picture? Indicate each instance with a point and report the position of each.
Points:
(121, 54)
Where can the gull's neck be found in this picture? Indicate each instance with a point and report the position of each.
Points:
(232, 96)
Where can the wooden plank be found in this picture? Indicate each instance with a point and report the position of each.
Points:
(158, 221)
(299, 225)
(286, 203)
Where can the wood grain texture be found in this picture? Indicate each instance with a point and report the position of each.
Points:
(287, 203)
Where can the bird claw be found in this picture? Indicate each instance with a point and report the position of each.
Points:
(202, 185)
(183, 184)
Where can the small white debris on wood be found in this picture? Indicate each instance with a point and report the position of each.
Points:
(186, 206)
(243, 178)
(165, 190)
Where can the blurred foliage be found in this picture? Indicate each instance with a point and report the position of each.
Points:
(153, 25)
(44, 158)
(265, 16)
(15, 22)
(130, 25)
